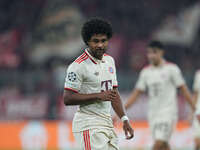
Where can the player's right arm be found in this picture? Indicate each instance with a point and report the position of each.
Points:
(133, 97)
(73, 84)
(139, 89)
(73, 98)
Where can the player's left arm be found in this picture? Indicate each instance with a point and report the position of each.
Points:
(119, 110)
(180, 83)
(186, 93)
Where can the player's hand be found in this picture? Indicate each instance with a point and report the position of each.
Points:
(129, 133)
(109, 95)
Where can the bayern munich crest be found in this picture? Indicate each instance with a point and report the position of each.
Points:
(72, 76)
(110, 69)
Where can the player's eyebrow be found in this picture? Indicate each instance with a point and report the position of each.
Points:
(95, 40)
(104, 39)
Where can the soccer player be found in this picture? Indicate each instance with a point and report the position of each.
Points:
(91, 83)
(196, 121)
(160, 79)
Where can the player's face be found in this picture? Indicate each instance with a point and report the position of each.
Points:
(98, 45)
(154, 55)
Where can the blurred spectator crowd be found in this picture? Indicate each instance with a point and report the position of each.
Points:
(39, 38)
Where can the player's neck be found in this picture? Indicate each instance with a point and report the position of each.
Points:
(92, 54)
(160, 63)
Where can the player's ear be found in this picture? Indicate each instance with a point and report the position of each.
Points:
(87, 42)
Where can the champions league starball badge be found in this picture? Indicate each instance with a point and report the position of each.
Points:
(72, 76)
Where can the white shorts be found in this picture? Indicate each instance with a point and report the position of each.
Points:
(97, 139)
(196, 127)
(162, 129)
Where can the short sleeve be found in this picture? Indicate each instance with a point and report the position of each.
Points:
(177, 76)
(141, 83)
(73, 79)
(196, 84)
(115, 82)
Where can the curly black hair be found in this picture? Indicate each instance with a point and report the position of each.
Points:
(96, 26)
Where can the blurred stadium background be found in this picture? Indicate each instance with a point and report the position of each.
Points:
(39, 38)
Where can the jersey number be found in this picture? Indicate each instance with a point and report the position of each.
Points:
(156, 89)
(162, 127)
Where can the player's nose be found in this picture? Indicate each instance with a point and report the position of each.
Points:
(100, 44)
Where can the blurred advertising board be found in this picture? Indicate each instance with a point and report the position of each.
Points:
(57, 135)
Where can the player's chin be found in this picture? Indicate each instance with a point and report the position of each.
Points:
(100, 51)
(99, 55)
